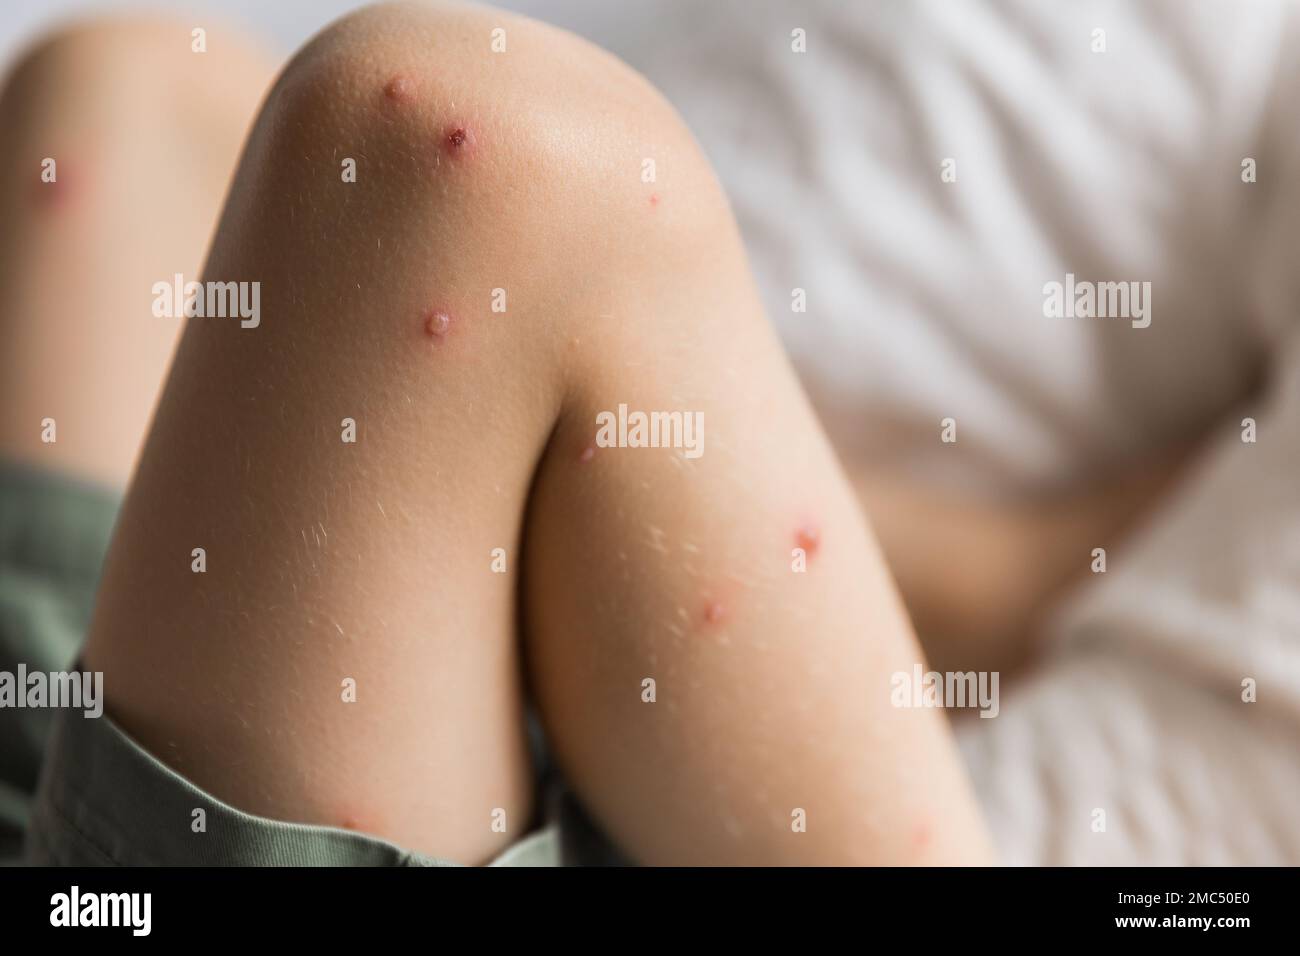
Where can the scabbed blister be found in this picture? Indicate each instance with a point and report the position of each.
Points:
(458, 141)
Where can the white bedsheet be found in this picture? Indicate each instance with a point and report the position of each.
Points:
(925, 300)
(1140, 710)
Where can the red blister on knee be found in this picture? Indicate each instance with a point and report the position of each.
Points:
(399, 89)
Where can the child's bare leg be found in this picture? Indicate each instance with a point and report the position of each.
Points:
(119, 145)
(480, 175)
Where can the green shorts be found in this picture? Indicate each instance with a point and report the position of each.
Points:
(53, 535)
(104, 801)
(76, 790)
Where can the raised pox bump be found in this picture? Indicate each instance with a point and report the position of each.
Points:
(399, 89)
(437, 323)
(808, 537)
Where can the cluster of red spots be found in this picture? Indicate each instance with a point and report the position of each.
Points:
(437, 323)
(808, 537)
(457, 138)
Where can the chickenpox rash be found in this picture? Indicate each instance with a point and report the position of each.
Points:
(654, 201)
(921, 835)
(355, 819)
(458, 141)
(399, 89)
(808, 537)
(54, 194)
(587, 453)
(437, 323)
(714, 613)
(720, 600)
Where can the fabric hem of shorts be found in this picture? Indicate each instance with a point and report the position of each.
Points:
(134, 793)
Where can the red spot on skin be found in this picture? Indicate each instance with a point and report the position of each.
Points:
(358, 818)
(458, 141)
(437, 324)
(719, 601)
(809, 538)
(921, 835)
(587, 454)
(654, 200)
(399, 89)
(53, 195)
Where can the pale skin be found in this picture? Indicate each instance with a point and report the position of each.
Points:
(139, 172)
(330, 562)
(979, 576)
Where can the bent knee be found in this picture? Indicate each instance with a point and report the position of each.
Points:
(493, 136)
(448, 77)
(469, 184)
